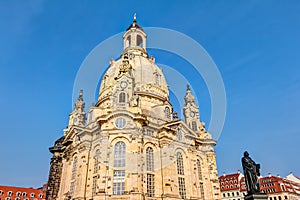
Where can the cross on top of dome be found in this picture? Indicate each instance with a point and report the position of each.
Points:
(134, 24)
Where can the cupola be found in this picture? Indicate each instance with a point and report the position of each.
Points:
(134, 37)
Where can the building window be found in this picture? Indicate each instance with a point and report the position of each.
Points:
(128, 41)
(40, 195)
(179, 135)
(279, 197)
(9, 193)
(150, 185)
(200, 178)
(180, 169)
(139, 41)
(7, 198)
(94, 186)
(181, 184)
(120, 122)
(24, 194)
(18, 194)
(17, 198)
(147, 131)
(74, 167)
(237, 193)
(194, 126)
(202, 190)
(32, 195)
(156, 79)
(150, 159)
(119, 182)
(199, 170)
(224, 195)
(122, 97)
(167, 112)
(72, 187)
(120, 154)
(96, 161)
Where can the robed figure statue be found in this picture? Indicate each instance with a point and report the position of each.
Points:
(251, 171)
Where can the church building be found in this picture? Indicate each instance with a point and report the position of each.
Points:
(130, 144)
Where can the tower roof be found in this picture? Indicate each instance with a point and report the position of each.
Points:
(134, 24)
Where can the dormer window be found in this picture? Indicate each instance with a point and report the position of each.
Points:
(1, 192)
(157, 78)
(24, 194)
(40, 195)
(9, 193)
(122, 97)
(32, 195)
(18, 194)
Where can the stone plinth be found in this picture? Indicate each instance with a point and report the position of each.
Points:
(260, 196)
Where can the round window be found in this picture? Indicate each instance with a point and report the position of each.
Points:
(120, 122)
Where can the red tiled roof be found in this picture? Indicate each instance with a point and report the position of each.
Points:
(21, 193)
(229, 182)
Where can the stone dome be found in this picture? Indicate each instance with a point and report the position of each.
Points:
(147, 76)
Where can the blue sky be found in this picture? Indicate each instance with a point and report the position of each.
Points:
(255, 45)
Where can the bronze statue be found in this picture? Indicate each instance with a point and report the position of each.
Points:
(251, 171)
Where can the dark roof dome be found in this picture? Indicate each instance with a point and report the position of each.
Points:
(134, 24)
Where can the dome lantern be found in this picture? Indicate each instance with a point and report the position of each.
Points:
(134, 36)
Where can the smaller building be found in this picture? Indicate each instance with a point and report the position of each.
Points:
(19, 193)
(233, 187)
(279, 188)
(230, 186)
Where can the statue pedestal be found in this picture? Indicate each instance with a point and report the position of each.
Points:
(260, 196)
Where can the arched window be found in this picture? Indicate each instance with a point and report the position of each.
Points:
(194, 126)
(150, 159)
(150, 167)
(139, 41)
(179, 135)
(199, 170)
(122, 97)
(120, 154)
(96, 161)
(128, 41)
(167, 112)
(119, 174)
(74, 167)
(179, 159)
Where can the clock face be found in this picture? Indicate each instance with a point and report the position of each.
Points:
(123, 84)
(192, 114)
